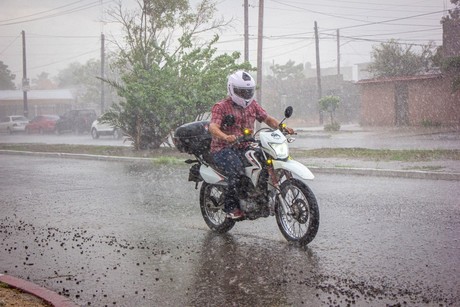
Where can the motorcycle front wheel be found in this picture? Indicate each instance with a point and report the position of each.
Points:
(300, 222)
(212, 205)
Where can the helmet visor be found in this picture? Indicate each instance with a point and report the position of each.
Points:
(244, 92)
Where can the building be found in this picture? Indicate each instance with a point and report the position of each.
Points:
(39, 102)
(409, 101)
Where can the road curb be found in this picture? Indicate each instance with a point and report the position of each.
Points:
(46, 295)
(414, 174)
(387, 173)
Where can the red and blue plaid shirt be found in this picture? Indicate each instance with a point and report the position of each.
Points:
(244, 118)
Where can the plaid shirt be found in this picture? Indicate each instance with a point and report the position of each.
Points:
(244, 118)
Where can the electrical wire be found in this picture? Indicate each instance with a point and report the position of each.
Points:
(379, 3)
(353, 19)
(9, 45)
(66, 59)
(39, 13)
(59, 14)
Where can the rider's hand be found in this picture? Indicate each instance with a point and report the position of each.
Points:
(230, 138)
(289, 130)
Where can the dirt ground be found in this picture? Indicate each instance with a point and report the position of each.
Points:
(10, 297)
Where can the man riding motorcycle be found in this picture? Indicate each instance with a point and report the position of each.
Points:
(241, 104)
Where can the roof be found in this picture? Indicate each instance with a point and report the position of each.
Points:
(37, 94)
(401, 78)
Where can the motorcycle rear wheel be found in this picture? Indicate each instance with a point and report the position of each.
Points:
(301, 223)
(212, 205)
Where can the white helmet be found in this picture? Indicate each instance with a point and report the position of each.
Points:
(241, 87)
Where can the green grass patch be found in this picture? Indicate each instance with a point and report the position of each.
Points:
(97, 150)
(167, 155)
(380, 154)
(5, 286)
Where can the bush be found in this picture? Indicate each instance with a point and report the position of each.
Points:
(335, 126)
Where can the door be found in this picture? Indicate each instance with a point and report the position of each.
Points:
(401, 104)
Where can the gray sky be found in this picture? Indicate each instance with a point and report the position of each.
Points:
(59, 32)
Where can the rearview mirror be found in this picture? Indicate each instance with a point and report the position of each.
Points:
(288, 112)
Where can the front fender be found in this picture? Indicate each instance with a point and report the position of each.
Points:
(298, 170)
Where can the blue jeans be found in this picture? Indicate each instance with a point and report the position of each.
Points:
(229, 161)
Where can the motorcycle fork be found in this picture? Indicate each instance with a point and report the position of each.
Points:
(275, 179)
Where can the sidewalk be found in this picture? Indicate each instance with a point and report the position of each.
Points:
(48, 296)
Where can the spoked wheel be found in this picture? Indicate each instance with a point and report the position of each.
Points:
(298, 220)
(212, 205)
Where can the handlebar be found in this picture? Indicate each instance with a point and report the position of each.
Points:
(244, 138)
(251, 138)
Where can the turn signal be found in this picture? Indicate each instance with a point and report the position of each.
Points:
(269, 162)
(247, 131)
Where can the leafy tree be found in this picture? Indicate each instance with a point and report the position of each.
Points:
(330, 104)
(84, 80)
(166, 82)
(454, 13)
(287, 84)
(42, 82)
(391, 59)
(451, 65)
(6, 78)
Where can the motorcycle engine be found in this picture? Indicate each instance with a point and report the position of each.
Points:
(253, 210)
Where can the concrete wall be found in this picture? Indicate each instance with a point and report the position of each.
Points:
(377, 104)
(433, 101)
(430, 101)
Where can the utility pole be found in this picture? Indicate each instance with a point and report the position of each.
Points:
(338, 52)
(318, 72)
(259, 50)
(246, 31)
(25, 81)
(102, 72)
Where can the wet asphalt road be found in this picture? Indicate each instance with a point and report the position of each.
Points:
(110, 233)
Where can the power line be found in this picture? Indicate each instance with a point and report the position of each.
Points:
(66, 59)
(374, 40)
(9, 45)
(73, 10)
(292, 50)
(395, 19)
(353, 19)
(397, 33)
(35, 35)
(341, 7)
(379, 3)
(39, 13)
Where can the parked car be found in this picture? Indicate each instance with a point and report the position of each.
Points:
(42, 124)
(77, 121)
(13, 123)
(98, 129)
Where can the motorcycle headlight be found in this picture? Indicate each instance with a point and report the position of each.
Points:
(281, 150)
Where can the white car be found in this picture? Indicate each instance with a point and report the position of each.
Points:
(13, 123)
(98, 129)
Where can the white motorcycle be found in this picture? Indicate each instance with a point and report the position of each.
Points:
(273, 184)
